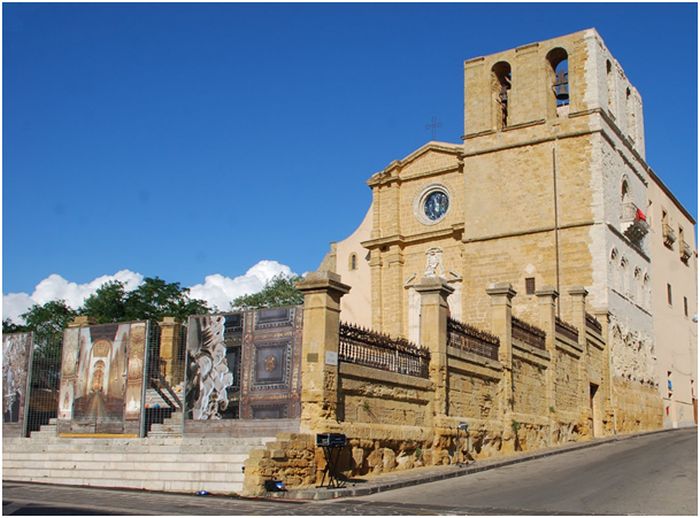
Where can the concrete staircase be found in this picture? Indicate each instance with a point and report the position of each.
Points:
(171, 427)
(173, 464)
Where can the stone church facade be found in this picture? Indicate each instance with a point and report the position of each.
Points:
(550, 189)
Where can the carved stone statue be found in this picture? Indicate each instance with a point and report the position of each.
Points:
(434, 267)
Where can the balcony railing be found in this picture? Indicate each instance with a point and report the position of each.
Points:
(686, 251)
(633, 222)
(669, 234)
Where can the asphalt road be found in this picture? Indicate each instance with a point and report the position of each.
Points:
(649, 475)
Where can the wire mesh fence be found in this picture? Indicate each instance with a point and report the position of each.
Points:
(45, 381)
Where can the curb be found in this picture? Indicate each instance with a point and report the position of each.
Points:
(449, 471)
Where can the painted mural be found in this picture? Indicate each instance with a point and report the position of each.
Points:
(244, 365)
(16, 356)
(102, 380)
(211, 391)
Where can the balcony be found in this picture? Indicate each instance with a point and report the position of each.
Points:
(633, 223)
(669, 234)
(686, 251)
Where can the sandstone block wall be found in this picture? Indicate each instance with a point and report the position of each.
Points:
(372, 396)
(566, 382)
(637, 407)
(529, 385)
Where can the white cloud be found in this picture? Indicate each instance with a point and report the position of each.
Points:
(217, 290)
(14, 304)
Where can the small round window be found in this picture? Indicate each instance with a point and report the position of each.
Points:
(432, 204)
(435, 205)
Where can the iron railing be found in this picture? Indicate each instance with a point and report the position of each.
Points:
(566, 329)
(593, 323)
(528, 333)
(470, 339)
(364, 347)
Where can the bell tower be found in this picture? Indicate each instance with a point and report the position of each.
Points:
(553, 130)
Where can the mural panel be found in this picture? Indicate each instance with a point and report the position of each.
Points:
(102, 379)
(213, 358)
(244, 365)
(16, 358)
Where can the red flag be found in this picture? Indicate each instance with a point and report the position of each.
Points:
(640, 215)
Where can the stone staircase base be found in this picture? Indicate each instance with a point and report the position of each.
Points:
(172, 464)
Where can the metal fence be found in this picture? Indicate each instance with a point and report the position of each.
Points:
(565, 329)
(364, 347)
(593, 323)
(528, 333)
(45, 382)
(470, 339)
(157, 387)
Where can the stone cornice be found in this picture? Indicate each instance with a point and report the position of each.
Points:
(401, 240)
(537, 230)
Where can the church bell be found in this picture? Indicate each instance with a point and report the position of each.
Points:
(561, 86)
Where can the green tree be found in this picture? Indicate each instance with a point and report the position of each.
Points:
(107, 304)
(8, 326)
(155, 299)
(152, 300)
(278, 291)
(48, 321)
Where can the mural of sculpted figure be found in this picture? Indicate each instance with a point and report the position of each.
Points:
(213, 373)
(14, 372)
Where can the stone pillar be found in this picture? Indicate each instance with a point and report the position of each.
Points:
(433, 335)
(603, 316)
(82, 321)
(547, 305)
(578, 318)
(171, 350)
(393, 292)
(319, 351)
(502, 294)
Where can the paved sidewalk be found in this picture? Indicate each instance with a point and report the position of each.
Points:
(425, 475)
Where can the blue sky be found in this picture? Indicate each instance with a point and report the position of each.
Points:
(186, 140)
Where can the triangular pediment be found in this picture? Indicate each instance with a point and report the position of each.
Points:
(428, 159)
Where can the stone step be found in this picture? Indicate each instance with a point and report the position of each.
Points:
(231, 468)
(122, 442)
(176, 486)
(119, 474)
(128, 457)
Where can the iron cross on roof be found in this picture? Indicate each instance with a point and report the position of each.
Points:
(433, 126)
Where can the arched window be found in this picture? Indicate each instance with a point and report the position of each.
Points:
(646, 286)
(615, 280)
(558, 79)
(352, 262)
(638, 291)
(624, 285)
(611, 86)
(625, 190)
(500, 92)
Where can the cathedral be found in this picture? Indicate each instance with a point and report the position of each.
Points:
(549, 188)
